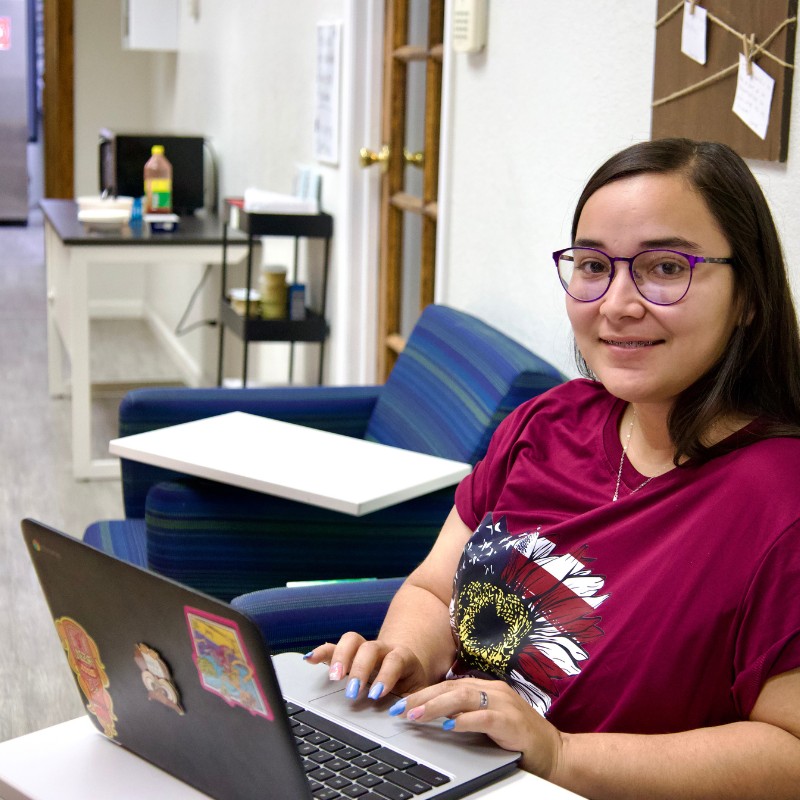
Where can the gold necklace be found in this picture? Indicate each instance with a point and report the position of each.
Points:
(622, 461)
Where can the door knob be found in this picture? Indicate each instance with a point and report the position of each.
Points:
(370, 157)
(415, 159)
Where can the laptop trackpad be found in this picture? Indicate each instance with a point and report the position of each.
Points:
(370, 715)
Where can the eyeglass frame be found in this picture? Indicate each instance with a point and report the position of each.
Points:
(692, 259)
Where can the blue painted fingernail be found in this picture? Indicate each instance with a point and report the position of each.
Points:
(308, 654)
(398, 708)
(353, 685)
(376, 691)
(448, 724)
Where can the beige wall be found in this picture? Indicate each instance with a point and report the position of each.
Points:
(243, 76)
(525, 123)
(559, 88)
(113, 87)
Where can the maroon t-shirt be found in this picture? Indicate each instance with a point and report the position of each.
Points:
(664, 611)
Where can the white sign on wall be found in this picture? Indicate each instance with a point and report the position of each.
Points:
(326, 118)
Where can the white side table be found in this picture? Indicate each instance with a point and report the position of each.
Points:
(311, 466)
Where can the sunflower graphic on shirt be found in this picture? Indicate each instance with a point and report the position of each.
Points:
(521, 612)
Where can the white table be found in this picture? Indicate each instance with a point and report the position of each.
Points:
(72, 761)
(71, 253)
(324, 469)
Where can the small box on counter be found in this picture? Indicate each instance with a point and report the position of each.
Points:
(162, 223)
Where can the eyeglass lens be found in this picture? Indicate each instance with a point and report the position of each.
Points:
(661, 276)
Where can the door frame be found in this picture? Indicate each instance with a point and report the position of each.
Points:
(446, 132)
(355, 296)
(355, 278)
(58, 101)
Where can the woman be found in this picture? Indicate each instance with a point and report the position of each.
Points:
(627, 554)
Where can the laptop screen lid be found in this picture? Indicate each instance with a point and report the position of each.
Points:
(186, 682)
(179, 678)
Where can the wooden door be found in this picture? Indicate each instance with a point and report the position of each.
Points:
(409, 158)
(58, 104)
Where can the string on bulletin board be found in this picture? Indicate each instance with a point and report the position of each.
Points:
(751, 51)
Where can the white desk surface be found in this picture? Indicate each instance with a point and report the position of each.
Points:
(72, 761)
(324, 469)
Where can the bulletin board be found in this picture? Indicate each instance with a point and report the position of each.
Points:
(695, 100)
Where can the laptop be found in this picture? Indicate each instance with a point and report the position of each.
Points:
(187, 683)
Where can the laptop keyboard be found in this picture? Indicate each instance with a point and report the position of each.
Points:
(340, 763)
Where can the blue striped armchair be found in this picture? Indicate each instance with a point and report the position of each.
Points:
(456, 379)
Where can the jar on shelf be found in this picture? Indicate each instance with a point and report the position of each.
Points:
(273, 289)
(238, 301)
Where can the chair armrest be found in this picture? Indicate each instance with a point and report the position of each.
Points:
(339, 409)
(300, 618)
(342, 409)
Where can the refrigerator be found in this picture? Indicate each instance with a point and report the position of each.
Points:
(15, 83)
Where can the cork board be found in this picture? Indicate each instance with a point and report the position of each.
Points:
(706, 113)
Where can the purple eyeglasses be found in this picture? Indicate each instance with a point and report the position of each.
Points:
(661, 277)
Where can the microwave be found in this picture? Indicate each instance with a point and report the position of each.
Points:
(122, 157)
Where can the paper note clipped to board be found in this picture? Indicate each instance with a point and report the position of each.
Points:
(694, 32)
(753, 99)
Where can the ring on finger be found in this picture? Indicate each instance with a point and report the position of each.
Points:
(484, 700)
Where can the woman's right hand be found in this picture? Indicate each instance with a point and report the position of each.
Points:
(388, 668)
(418, 618)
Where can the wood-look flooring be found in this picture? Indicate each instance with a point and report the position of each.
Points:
(36, 686)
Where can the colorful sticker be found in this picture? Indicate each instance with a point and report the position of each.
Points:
(84, 658)
(157, 678)
(222, 662)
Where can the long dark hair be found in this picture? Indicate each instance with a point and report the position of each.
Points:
(759, 373)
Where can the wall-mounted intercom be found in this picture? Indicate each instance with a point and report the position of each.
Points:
(469, 26)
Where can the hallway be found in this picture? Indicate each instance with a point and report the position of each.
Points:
(36, 687)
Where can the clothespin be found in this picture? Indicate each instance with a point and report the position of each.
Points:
(691, 8)
(749, 45)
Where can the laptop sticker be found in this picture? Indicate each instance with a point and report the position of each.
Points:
(222, 662)
(157, 678)
(84, 659)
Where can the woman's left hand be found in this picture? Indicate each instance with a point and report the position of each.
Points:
(493, 708)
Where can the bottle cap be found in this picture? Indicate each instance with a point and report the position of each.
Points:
(157, 149)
